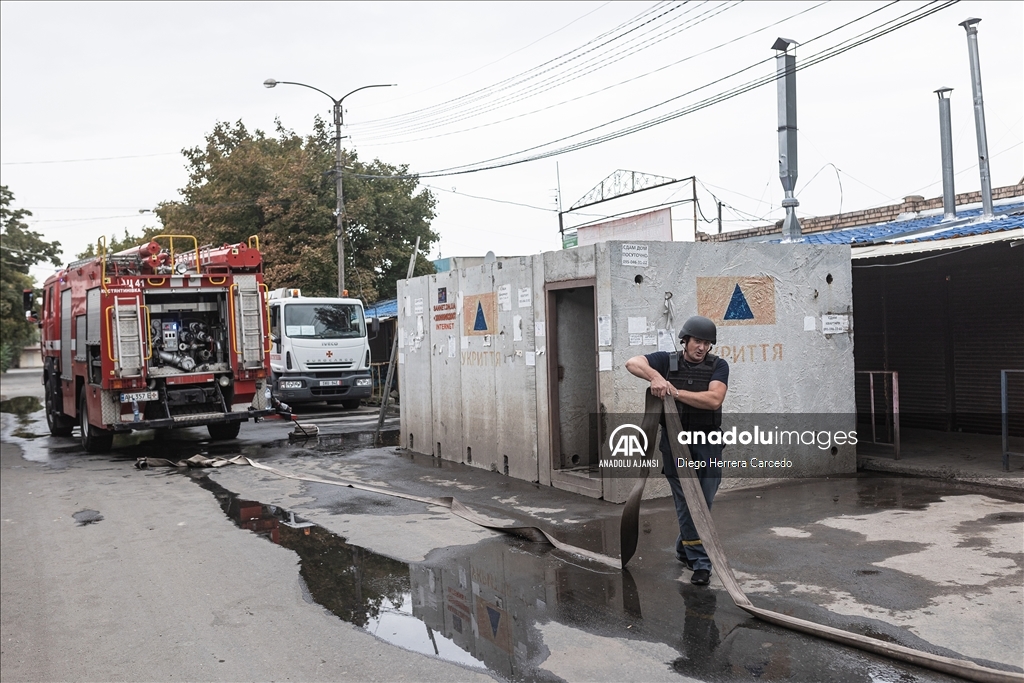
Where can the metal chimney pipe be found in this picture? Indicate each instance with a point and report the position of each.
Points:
(970, 25)
(946, 140)
(785, 69)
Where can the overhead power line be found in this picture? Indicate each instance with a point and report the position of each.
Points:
(528, 90)
(75, 161)
(504, 83)
(523, 156)
(371, 140)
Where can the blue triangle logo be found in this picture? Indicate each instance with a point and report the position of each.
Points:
(494, 616)
(480, 324)
(738, 307)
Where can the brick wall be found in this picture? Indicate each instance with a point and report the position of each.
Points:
(883, 214)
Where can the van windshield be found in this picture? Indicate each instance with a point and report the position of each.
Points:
(324, 321)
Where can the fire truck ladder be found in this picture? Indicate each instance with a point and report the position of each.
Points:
(248, 321)
(128, 336)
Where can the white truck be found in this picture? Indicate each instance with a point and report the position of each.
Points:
(319, 349)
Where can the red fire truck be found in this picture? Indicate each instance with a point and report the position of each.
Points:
(156, 337)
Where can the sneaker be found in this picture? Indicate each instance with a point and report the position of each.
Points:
(686, 562)
(701, 577)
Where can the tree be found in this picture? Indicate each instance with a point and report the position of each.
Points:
(20, 249)
(282, 190)
(115, 245)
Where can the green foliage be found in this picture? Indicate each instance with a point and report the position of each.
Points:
(282, 189)
(6, 356)
(20, 249)
(115, 245)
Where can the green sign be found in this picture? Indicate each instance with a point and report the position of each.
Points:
(568, 240)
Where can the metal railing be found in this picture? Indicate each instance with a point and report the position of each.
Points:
(1005, 405)
(888, 379)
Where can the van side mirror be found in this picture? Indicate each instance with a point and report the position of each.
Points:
(276, 341)
(375, 325)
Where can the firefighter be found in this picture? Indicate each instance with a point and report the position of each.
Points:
(698, 381)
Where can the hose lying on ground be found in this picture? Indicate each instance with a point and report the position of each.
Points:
(629, 533)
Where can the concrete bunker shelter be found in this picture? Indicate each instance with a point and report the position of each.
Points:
(510, 365)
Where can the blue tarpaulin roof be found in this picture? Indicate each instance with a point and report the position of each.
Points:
(893, 230)
(383, 309)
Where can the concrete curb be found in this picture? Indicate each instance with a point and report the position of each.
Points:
(1007, 480)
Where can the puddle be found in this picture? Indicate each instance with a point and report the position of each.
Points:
(23, 407)
(491, 606)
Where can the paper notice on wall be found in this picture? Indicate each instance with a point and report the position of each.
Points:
(835, 324)
(808, 323)
(505, 297)
(604, 361)
(636, 339)
(401, 337)
(531, 358)
(465, 343)
(604, 330)
(419, 326)
(418, 306)
(451, 346)
(517, 328)
(487, 339)
(634, 255)
(650, 339)
(538, 329)
(637, 325)
(666, 341)
(525, 297)
(401, 358)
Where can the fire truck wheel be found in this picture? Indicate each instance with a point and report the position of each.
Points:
(59, 423)
(94, 439)
(224, 430)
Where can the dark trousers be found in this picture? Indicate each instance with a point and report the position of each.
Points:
(688, 544)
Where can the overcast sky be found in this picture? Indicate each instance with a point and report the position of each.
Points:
(97, 100)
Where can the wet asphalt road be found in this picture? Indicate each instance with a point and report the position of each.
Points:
(119, 574)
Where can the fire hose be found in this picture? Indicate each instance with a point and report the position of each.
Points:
(629, 534)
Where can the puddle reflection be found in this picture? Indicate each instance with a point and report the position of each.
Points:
(483, 606)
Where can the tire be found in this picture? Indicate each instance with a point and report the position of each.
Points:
(350, 404)
(222, 431)
(59, 423)
(94, 439)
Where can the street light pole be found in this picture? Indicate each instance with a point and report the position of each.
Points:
(339, 207)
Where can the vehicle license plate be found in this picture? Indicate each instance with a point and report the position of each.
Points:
(330, 382)
(139, 396)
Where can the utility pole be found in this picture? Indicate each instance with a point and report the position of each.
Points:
(719, 217)
(339, 199)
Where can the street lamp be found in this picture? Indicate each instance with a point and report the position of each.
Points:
(339, 211)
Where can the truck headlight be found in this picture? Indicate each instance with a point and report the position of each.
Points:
(363, 382)
(291, 384)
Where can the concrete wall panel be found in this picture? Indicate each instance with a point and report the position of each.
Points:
(414, 365)
(446, 366)
(516, 407)
(479, 356)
